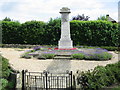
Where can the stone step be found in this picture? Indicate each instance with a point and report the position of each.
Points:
(63, 57)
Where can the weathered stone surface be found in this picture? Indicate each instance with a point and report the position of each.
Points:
(19, 81)
(65, 40)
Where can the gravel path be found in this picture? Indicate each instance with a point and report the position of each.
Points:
(51, 65)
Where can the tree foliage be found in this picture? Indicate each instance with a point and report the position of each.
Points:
(102, 18)
(81, 17)
(7, 19)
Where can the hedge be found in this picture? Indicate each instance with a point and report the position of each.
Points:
(95, 33)
(32, 32)
(52, 32)
(11, 32)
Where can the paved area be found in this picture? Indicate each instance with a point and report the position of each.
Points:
(51, 65)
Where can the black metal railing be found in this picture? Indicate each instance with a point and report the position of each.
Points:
(46, 80)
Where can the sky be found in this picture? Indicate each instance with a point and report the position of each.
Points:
(43, 10)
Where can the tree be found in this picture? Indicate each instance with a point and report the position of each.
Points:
(7, 19)
(102, 18)
(81, 17)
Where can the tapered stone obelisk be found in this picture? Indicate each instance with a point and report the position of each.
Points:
(65, 41)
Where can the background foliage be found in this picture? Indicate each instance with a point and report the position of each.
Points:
(81, 17)
(95, 33)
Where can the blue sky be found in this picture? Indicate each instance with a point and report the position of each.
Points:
(43, 10)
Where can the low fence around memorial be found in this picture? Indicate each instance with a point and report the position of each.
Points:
(47, 80)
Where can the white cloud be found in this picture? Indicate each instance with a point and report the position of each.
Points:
(44, 9)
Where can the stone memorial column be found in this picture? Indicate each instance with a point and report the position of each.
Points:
(65, 41)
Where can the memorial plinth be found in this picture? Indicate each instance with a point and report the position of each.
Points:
(65, 41)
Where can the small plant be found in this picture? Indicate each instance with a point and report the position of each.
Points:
(32, 50)
(48, 56)
(103, 56)
(37, 48)
(90, 57)
(93, 54)
(4, 83)
(110, 48)
(78, 56)
(40, 57)
(27, 56)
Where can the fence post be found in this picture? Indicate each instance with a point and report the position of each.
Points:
(74, 82)
(23, 86)
(46, 80)
(71, 79)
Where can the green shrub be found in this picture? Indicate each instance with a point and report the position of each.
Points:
(5, 68)
(93, 56)
(103, 56)
(115, 69)
(5, 80)
(4, 83)
(48, 56)
(78, 56)
(90, 57)
(110, 48)
(100, 77)
(106, 77)
(27, 56)
(11, 85)
(40, 57)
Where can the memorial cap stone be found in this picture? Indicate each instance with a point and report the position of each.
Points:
(65, 10)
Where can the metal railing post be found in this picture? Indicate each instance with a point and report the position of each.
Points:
(46, 80)
(71, 79)
(74, 82)
(23, 86)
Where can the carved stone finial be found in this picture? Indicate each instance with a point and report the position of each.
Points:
(65, 10)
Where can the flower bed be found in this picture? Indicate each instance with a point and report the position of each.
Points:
(80, 54)
(93, 54)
